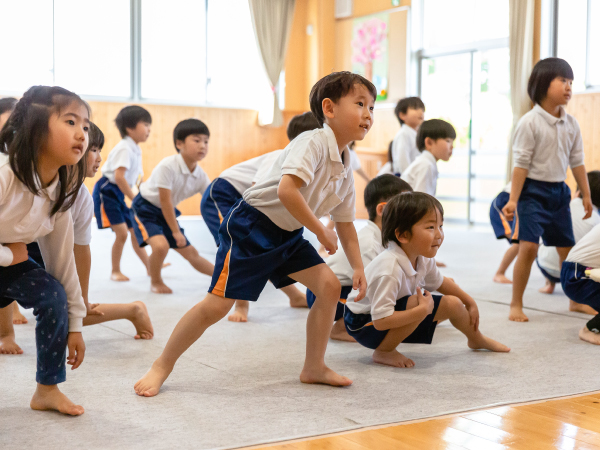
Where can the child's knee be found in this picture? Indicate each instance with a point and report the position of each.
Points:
(331, 287)
(528, 251)
(159, 245)
(53, 304)
(120, 233)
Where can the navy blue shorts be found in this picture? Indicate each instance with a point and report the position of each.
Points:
(34, 252)
(549, 277)
(216, 202)
(502, 227)
(148, 221)
(360, 326)
(578, 287)
(253, 250)
(109, 205)
(339, 312)
(543, 211)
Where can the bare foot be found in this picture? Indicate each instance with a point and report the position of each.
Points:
(18, 318)
(49, 398)
(141, 322)
(578, 307)
(298, 301)
(339, 333)
(160, 288)
(502, 279)
(589, 336)
(393, 358)
(482, 342)
(517, 315)
(241, 312)
(324, 375)
(149, 385)
(548, 288)
(118, 276)
(440, 264)
(8, 346)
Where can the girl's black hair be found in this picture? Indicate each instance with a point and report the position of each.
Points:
(542, 75)
(96, 137)
(188, 127)
(26, 131)
(7, 104)
(403, 211)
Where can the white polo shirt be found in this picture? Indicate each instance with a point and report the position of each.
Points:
(242, 175)
(369, 241)
(328, 182)
(587, 251)
(404, 148)
(391, 276)
(125, 154)
(25, 217)
(548, 256)
(546, 145)
(422, 174)
(82, 213)
(173, 173)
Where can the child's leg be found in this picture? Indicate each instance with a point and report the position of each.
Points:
(563, 252)
(452, 308)
(591, 331)
(160, 248)
(120, 231)
(139, 251)
(240, 312)
(507, 259)
(326, 287)
(189, 329)
(548, 287)
(17, 317)
(198, 262)
(135, 312)
(297, 298)
(521, 272)
(8, 346)
(339, 332)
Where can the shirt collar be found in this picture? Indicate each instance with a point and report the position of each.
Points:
(429, 156)
(132, 144)
(184, 168)
(334, 153)
(50, 191)
(405, 263)
(373, 226)
(549, 117)
(410, 130)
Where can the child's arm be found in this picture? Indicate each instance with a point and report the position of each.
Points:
(582, 181)
(349, 240)
(16, 251)
(518, 180)
(290, 196)
(122, 183)
(449, 287)
(402, 318)
(168, 210)
(83, 263)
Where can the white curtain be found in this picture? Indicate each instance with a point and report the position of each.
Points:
(520, 43)
(272, 22)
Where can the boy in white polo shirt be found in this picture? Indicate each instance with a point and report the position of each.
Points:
(410, 112)
(154, 211)
(261, 236)
(435, 140)
(120, 172)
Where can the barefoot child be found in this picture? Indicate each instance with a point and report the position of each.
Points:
(377, 193)
(546, 141)
(503, 230)
(410, 112)
(121, 171)
(46, 133)
(395, 310)
(261, 236)
(154, 211)
(229, 187)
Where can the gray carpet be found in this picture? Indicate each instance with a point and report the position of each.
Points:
(239, 385)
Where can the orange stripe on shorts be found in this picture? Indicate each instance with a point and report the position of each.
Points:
(104, 217)
(142, 228)
(221, 283)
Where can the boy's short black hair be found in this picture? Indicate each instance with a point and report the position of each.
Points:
(403, 211)
(434, 129)
(96, 137)
(542, 75)
(301, 123)
(7, 104)
(335, 86)
(130, 116)
(187, 127)
(594, 180)
(405, 103)
(381, 189)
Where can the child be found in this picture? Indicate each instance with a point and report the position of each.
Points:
(578, 286)
(228, 188)
(503, 230)
(46, 133)
(120, 173)
(377, 193)
(434, 140)
(154, 212)
(261, 236)
(394, 309)
(547, 258)
(387, 167)
(410, 112)
(546, 141)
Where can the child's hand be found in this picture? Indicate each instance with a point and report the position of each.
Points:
(474, 314)
(91, 311)
(76, 350)
(587, 205)
(180, 239)
(509, 210)
(328, 238)
(425, 300)
(19, 251)
(359, 281)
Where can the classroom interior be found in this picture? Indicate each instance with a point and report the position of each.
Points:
(239, 387)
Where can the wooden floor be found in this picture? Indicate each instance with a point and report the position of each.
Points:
(570, 423)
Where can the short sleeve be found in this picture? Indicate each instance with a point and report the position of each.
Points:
(523, 144)
(121, 158)
(82, 218)
(303, 160)
(383, 293)
(433, 278)
(163, 176)
(576, 156)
